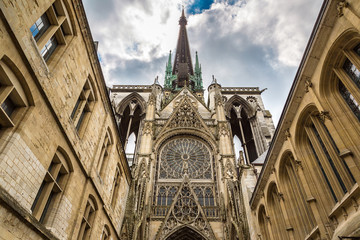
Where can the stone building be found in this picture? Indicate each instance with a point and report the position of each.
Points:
(309, 185)
(185, 174)
(64, 173)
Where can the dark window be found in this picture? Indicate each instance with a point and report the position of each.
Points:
(357, 49)
(50, 188)
(49, 48)
(338, 152)
(40, 27)
(75, 108)
(353, 72)
(323, 172)
(331, 162)
(350, 100)
(8, 106)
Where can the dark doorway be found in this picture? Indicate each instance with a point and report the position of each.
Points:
(185, 233)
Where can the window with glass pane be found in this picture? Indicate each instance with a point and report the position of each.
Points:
(57, 18)
(323, 172)
(353, 72)
(51, 186)
(40, 27)
(350, 100)
(328, 157)
(83, 105)
(49, 48)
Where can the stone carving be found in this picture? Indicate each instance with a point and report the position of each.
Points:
(308, 84)
(185, 117)
(223, 129)
(324, 115)
(340, 7)
(148, 130)
(185, 211)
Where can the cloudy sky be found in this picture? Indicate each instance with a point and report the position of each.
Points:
(244, 43)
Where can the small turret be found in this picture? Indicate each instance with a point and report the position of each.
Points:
(213, 89)
(168, 74)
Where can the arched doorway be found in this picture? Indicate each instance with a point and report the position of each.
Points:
(185, 233)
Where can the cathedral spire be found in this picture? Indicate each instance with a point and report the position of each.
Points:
(182, 65)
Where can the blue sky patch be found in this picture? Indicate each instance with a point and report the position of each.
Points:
(199, 6)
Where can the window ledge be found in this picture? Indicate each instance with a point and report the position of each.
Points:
(345, 200)
(312, 233)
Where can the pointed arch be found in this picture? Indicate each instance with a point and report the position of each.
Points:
(128, 99)
(296, 204)
(241, 115)
(339, 83)
(186, 233)
(263, 220)
(130, 112)
(273, 198)
(239, 101)
(15, 95)
(20, 77)
(317, 148)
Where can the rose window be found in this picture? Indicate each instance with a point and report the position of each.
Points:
(185, 155)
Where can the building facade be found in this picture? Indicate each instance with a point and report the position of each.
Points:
(309, 185)
(63, 172)
(185, 174)
(79, 160)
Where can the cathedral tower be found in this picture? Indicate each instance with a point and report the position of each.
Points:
(187, 182)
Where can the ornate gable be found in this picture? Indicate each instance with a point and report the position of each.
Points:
(185, 211)
(185, 115)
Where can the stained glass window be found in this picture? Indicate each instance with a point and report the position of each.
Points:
(185, 155)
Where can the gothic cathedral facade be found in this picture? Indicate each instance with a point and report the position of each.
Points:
(184, 167)
(80, 160)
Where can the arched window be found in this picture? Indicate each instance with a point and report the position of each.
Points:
(130, 112)
(13, 96)
(88, 218)
(276, 213)
(162, 196)
(340, 78)
(106, 233)
(334, 170)
(52, 29)
(51, 188)
(83, 106)
(104, 154)
(263, 220)
(240, 113)
(352, 73)
(294, 192)
(116, 187)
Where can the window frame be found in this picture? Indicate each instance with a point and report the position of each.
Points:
(11, 90)
(51, 188)
(59, 30)
(84, 105)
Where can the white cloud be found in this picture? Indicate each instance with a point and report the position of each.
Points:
(246, 43)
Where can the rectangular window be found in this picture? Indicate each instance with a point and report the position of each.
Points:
(49, 48)
(40, 27)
